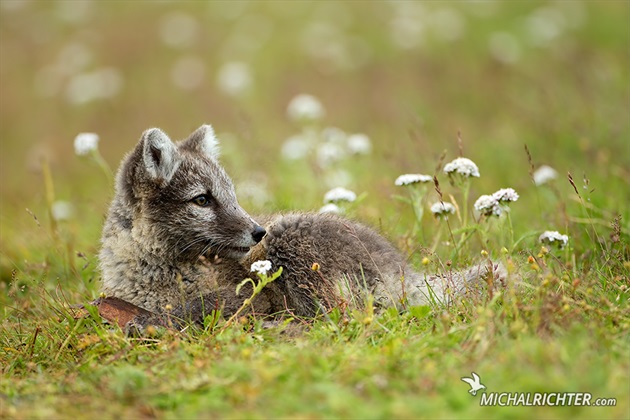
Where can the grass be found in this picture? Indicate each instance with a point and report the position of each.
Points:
(561, 325)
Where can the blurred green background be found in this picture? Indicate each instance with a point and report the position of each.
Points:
(552, 75)
(409, 75)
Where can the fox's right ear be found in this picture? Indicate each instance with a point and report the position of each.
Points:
(159, 155)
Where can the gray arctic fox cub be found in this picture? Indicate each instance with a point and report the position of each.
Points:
(176, 239)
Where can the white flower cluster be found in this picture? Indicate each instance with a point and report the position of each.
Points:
(261, 267)
(487, 205)
(234, 78)
(442, 209)
(554, 238)
(85, 143)
(505, 195)
(62, 210)
(102, 83)
(296, 147)
(408, 179)
(544, 174)
(305, 107)
(495, 204)
(329, 145)
(359, 144)
(462, 166)
(339, 194)
(330, 208)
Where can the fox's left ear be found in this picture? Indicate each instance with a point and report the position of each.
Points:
(203, 140)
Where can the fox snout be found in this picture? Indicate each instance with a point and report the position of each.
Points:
(258, 233)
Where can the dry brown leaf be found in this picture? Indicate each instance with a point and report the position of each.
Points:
(118, 311)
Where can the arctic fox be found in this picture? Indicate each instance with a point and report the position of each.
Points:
(176, 239)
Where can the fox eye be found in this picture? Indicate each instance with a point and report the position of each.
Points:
(202, 200)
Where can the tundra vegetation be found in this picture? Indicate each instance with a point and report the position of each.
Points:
(461, 131)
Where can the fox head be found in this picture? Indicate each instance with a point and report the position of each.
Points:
(185, 198)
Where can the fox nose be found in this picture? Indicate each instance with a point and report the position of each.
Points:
(258, 233)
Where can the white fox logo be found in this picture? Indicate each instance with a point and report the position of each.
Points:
(475, 384)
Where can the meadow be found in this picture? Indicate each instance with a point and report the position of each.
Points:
(392, 88)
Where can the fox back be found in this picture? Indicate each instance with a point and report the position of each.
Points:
(173, 208)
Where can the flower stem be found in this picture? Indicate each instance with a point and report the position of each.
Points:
(510, 231)
(416, 202)
(102, 164)
(438, 236)
(466, 191)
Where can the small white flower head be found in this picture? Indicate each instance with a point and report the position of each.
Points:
(441, 209)
(408, 179)
(463, 166)
(62, 210)
(102, 83)
(305, 107)
(85, 143)
(554, 238)
(261, 267)
(359, 144)
(179, 30)
(234, 78)
(544, 174)
(328, 153)
(330, 208)
(505, 195)
(339, 194)
(487, 205)
(295, 147)
(334, 135)
(337, 177)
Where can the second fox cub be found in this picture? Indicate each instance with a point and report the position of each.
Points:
(176, 237)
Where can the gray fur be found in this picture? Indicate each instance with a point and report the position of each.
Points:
(161, 251)
(160, 156)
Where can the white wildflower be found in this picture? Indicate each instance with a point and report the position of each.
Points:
(554, 238)
(462, 166)
(261, 267)
(330, 208)
(329, 153)
(544, 174)
(101, 83)
(337, 177)
(179, 30)
(334, 135)
(305, 107)
(85, 143)
(408, 179)
(505, 195)
(442, 209)
(359, 144)
(295, 147)
(339, 194)
(487, 205)
(234, 78)
(62, 210)
(254, 191)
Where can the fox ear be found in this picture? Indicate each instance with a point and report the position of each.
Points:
(159, 155)
(203, 140)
